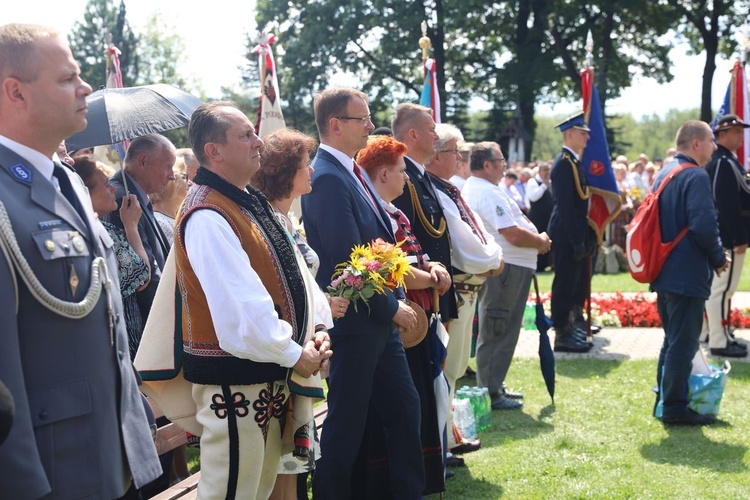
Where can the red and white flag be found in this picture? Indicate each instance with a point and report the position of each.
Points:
(270, 117)
(735, 103)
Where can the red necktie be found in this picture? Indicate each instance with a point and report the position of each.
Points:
(358, 173)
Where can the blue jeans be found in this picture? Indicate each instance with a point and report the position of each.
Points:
(682, 318)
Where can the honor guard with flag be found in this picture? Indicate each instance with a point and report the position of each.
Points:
(572, 238)
(730, 185)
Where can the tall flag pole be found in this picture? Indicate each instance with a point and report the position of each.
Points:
(735, 102)
(114, 81)
(430, 96)
(270, 117)
(605, 201)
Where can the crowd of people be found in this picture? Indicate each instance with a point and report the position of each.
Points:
(258, 332)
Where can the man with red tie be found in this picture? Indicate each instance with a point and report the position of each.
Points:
(370, 364)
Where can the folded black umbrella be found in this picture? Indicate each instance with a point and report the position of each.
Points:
(546, 356)
(116, 114)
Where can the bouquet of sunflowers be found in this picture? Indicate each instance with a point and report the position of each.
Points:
(370, 269)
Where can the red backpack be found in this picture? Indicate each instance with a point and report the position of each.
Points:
(646, 253)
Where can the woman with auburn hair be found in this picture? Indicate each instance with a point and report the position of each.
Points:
(284, 175)
(383, 160)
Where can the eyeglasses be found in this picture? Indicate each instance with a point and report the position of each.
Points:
(452, 151)
(363, 119)
(501, 160)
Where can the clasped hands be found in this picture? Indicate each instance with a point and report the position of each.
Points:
(315, 355)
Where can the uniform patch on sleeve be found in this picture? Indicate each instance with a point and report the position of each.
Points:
(499, 211)
(21, 172)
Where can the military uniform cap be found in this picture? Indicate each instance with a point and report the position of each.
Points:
(576, 121)
(728, 121)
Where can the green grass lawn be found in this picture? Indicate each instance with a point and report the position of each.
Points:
(599, 440)
(623, 282)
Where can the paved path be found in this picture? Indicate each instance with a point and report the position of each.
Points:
(625, 343)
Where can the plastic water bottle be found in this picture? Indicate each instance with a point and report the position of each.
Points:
(488, 406)
(463, 416)
(481, 412)
(529, 316)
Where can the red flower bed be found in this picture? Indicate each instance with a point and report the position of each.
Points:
(634, 310)
(639, 309)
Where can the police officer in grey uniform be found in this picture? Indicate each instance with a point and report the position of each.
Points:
(80, 427)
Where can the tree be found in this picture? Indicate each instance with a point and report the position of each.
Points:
(373, 44)
(89, 39)
(709, 25)
(627, 37)
(160, 49)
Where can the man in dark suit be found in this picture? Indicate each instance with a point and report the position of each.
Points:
(369, 363)
(80, 428)
(413, 125)
(147, 169)
(572, 238)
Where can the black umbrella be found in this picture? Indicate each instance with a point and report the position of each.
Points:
(117, 114)
(546, 356)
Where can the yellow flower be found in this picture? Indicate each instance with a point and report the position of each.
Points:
(361, 252)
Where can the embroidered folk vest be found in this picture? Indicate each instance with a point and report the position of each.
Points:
(270, 251)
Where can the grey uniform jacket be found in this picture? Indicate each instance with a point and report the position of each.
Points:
(80, 429)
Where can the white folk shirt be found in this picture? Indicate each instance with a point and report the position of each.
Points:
(242, 311)
(498, 211)
(468, 253)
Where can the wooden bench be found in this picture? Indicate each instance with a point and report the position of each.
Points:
(187, 489)
(168, 437)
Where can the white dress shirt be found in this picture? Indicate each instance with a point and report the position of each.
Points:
(535, 189)
(242, 311)
(468, 253)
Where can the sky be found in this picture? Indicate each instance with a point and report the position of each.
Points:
(214, 35)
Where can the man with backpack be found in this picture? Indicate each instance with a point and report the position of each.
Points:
(684, 282)
(730, 185)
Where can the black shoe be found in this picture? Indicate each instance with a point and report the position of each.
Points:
(730, 351)
(569, 344)
(449, 474)
(507, 404)
(510, 394)
(454, 461)
(738, 343)
(580, 336)
(689, 418)
(466, 447)
(580, 323)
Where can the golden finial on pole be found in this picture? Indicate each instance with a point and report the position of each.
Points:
(424, 42)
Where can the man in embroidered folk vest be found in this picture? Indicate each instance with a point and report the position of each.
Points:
(474, 253)
(572, 238)
(244, 309)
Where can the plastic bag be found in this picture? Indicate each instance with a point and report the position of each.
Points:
(706, 385)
